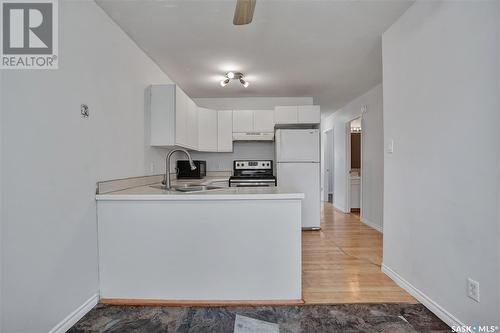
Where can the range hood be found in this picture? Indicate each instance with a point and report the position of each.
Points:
(253, 136)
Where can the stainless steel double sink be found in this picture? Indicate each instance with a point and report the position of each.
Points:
(188, 187)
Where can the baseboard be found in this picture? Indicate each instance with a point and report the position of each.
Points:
(76, 315)
(372, 225)
(342, 209)
(435, 308)
(208, 303)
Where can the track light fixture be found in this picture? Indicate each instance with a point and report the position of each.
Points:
(234, 76)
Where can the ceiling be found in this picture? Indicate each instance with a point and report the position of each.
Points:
(330, 50)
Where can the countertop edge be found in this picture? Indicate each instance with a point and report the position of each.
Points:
(198, 197)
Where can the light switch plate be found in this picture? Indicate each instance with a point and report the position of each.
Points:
(390, 146)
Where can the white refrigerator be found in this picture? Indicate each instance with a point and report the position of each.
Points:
(298, 169)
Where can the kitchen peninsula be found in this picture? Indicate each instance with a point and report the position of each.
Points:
(228, 244)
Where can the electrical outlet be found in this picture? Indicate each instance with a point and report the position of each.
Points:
(473, 289)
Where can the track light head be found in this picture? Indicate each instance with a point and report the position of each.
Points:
(244, 83)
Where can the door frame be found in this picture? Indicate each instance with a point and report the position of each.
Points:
(329, 149)
(348, 166)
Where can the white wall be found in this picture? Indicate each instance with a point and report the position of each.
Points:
(441, 108)
(372, 168)
(251, 103)
(52, 159)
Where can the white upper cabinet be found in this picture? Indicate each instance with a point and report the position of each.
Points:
(225, 131)
(207, 129)
(181, 111)
(263, 121)
(176, 120)
(285, 114)
(173, 117)
(253, 121)
(302, 114)
(308, 114)
(242, 121)
(192, 125)
(161, 102)
(168, 115)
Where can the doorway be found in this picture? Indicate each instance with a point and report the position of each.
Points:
(354, 139)
(329, 166)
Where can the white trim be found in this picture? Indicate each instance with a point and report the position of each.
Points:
(430, 304)
(339, 208)
(348, 164)
(76, 315)
(371, 224)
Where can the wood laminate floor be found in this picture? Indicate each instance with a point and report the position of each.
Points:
(341, 263)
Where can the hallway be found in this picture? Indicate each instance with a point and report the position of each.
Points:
(341, 263)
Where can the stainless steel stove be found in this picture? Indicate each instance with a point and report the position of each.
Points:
(252, 174)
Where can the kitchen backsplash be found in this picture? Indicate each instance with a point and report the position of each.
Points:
(241, 151)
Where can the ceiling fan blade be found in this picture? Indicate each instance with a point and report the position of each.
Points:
(243, 14)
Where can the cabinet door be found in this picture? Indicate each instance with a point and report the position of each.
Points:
(225, 131)
(285, 115)
(207, 129)
(181, 106)
(162, 115)
(263, 121)
(309, 114)
(192, 124)
(242, 121)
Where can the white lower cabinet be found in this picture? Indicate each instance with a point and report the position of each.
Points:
(207, 130)
(225, 131)
(355, 192)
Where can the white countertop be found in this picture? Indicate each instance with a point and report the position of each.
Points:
(149, 193)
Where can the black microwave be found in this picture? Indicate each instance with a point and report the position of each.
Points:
(184, 169)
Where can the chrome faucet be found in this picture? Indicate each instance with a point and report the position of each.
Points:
(166, 180)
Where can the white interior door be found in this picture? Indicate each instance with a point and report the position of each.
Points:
(303, 178)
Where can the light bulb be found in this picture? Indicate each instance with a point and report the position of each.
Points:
(230, 75)
(224, 83)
